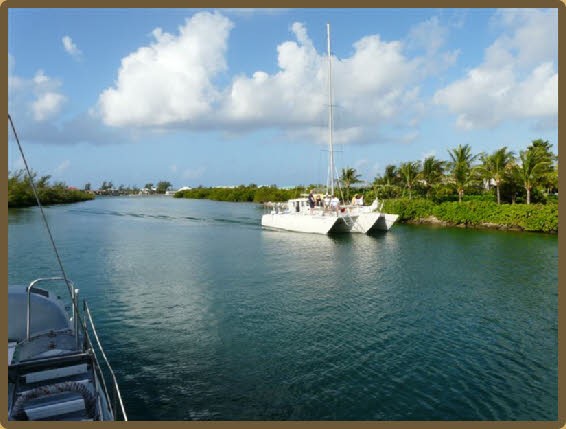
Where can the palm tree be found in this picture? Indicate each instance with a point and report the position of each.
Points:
(533, 166)
(390, 174)
(511, 181)
(494, 167)
(348, 178)
(433, 169)
(553, 177)
(543, 148)
(410, 172)
(461, 166)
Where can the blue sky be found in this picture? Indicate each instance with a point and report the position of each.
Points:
(231, 96)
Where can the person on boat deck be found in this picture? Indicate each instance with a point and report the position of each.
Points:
(359, 200)
(335, 204)
(318, 200)
(326, 202)
(311, 201)
(355, 199)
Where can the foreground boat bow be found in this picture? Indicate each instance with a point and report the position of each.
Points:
(53, 370)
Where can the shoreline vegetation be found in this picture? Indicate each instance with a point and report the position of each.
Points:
(20, 191)
(498, 190)
(477, 214)
(243, 193)
(475, 211)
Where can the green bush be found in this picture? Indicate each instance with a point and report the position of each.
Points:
(442, 190)
(533, 217)
(468, 212)
(369, 197)
(543, 218)
(490, 197)
(386, 192)
(20, 192)
(407, 209)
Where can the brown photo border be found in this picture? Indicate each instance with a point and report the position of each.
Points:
(560, 5)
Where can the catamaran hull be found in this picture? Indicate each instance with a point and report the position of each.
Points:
(367, 223)
(384, 223)
(305, 223)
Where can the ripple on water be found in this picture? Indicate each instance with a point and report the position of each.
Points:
(205, 316)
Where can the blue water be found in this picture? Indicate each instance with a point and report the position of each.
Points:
(204, 315)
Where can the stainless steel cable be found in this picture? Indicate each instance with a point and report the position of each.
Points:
(41, 208)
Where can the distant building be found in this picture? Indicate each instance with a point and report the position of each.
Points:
(110, 191)
(172, 192)
(147, 191)
(488, 184)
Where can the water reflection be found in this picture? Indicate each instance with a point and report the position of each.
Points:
(261, 324)
(22, 215)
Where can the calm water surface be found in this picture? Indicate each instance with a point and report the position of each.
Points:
(204, 315)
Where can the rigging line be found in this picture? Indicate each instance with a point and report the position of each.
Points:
(41, 208)
(317, 175)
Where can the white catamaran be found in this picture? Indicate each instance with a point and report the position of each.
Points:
(298, 217)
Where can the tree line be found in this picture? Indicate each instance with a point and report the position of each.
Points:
(20, 191)
(243, 193)
(107, 188)
(532, 174)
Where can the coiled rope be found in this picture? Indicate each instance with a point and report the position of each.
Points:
(18, 411)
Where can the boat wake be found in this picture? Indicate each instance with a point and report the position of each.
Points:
(242, 220)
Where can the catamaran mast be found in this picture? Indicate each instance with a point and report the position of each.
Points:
(331, 151)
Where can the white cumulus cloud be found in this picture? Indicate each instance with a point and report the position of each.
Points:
(39, 97)
(170, 84)
(36, 102)
(517, 78)
(46, 105)
(169, 81)
(429, 34)
(71, 48)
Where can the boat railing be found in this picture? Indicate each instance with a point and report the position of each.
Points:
(79, 320)
(116, 395)
(356, 208)
(277, 207)
(72, 293)
(321, 210)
